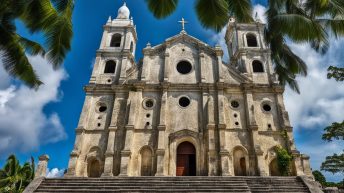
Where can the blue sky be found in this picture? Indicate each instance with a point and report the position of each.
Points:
(43, 122)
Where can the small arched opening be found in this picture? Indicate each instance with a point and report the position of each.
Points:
(94, 168)
(146, 161)
(240, 162)
(186, 159)
(131, 47)
(251, 40)
(273, 168)
(110, 67)
(116, 40)
(257, 66)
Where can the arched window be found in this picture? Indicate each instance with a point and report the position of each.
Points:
(116, 40)
(257, 66)
(110, 67)
(239, 162)
(251, 40)
(131, 47)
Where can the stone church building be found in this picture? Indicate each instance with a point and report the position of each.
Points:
(182, 110)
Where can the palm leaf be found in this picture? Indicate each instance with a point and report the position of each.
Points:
(212, 14)
(162, 8)
(15, 61)
(31, 47)
(241, 10)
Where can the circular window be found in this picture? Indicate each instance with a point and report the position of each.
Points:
(148, 103)
(235, 104)
(184, 101)
(184, 67)
(267, 107)
(102, 108)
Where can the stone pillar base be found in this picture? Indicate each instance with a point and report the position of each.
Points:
(160, 162)
(125, 158)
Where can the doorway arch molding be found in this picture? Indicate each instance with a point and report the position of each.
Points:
(175, 139)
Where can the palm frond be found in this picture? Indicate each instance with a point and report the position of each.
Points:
(292, 24)
(58, 40)
(241, 10)
(212, 14)
(33, 48)
(162, 8)
(15, 61)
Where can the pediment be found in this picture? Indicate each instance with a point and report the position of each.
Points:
(187, 39)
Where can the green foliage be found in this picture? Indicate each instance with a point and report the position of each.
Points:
(318, 176)
(284, 159)
(334, 164)
(52, 18)
(14, 177)
(162, 8)
(334, 131)
(336, 73)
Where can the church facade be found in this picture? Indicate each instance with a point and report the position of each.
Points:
(181, 110)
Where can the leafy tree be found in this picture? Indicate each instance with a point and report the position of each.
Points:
(334, 131)
(336, 73)
(307, 21)
(334, 163)
(14, 177)
(318, 176)
(51, 18)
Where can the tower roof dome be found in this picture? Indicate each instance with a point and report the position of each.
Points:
(123, 12)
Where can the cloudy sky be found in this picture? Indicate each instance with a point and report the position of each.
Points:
(43, 122)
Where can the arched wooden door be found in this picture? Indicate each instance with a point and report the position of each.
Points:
(94, 170)
(186, 159)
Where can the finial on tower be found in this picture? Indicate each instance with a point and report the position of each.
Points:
(183, 22)
(123, 12)
(256, 18)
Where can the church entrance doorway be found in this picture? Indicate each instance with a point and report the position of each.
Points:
(186, 159)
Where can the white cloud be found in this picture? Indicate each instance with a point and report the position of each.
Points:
(321, 101)
(23, 124)
(55, 173)
(260, 11)
(6, 95)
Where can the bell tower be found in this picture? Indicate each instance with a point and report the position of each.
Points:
(248, 51)
(115, 58)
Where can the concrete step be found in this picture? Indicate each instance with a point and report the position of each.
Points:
(174, 184)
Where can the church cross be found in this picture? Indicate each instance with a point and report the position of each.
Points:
(183, 22)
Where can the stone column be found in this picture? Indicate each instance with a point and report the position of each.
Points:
(110, 151)
(135, 98)
(166, 65)
(226, 163)
(160, 153)
(202, 66)
(108, 165)
(212, 154)
(306, 166)
(298, 163)
(74, 155)
(253, 134)
(123, 74)
(42, 166)
(261, 162)
(219, 54)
